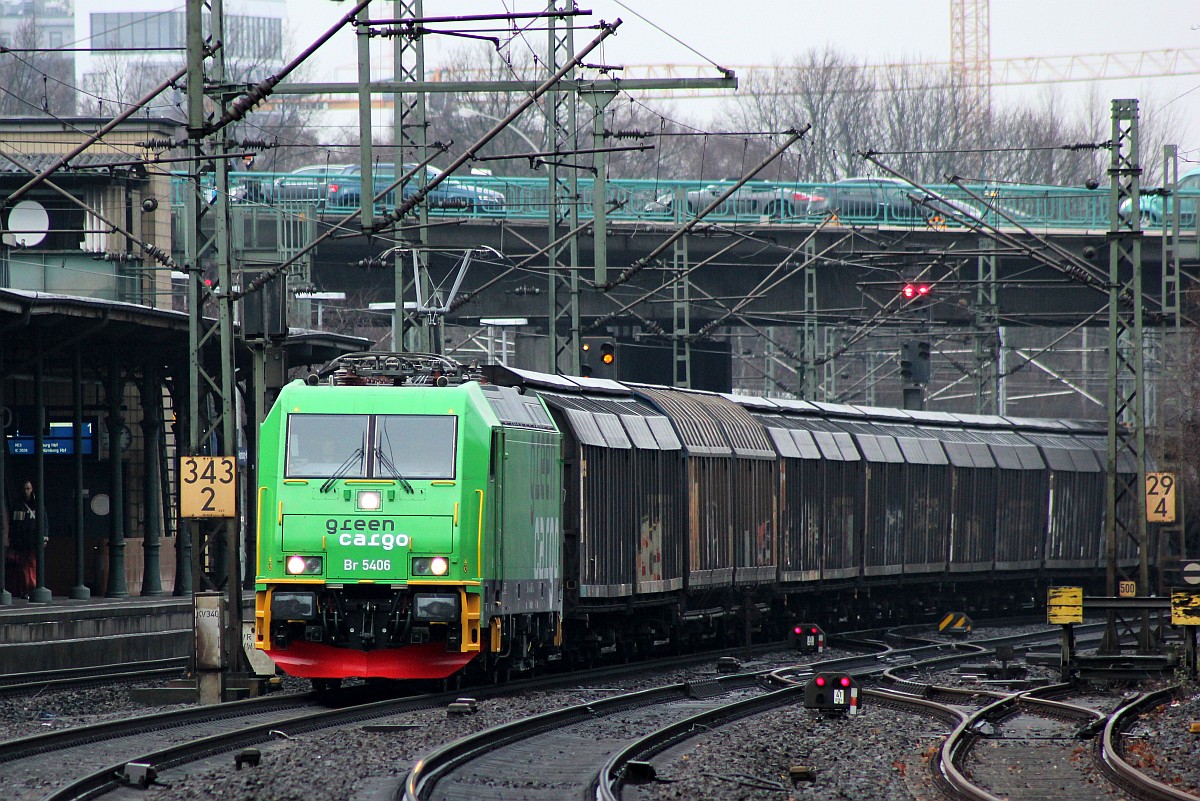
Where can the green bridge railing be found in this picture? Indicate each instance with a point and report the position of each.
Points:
(1036, 207)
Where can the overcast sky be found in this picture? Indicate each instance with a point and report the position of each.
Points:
(751, 32)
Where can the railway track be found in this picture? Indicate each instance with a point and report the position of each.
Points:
(589, 749)
(13, 684)
(1028, 745)
(106, 756)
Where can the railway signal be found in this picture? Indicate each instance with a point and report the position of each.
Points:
(915, 291)
(807, 638)
(599, 357)
(914, 361)
(832, 692)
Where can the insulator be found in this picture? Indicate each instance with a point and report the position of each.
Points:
(159, 255)
(239, 108)
(158, 144)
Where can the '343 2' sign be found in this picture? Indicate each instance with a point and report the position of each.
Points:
(208, 486)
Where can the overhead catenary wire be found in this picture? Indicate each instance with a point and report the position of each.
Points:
(157, 253)
(238, 109)
(1070, 265)
(93, 138)
(683, 230)
(408, 204)
(673, 37)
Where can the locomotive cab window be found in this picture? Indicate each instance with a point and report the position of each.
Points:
(319, 445)
(389, 446)
(414, 446)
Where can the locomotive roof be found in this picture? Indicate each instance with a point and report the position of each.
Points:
(515, 376)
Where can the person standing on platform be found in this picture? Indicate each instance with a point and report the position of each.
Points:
(23, 532)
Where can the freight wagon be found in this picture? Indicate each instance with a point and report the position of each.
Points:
(417, 517)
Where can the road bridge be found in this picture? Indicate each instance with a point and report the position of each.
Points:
(1044, 247)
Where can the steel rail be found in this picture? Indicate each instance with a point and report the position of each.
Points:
(610, 778)
(1111, 752)
(16, 683)
(107, 779)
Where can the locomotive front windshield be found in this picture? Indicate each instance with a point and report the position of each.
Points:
(320, 445)
(389, 446)
(413, 446)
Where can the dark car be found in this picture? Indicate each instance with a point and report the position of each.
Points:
(879, 200)
(305, 185)
(345, 190)
(753, 199)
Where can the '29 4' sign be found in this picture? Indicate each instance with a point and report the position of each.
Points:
(1160, 497)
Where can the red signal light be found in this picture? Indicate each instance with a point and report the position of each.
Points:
(798, 630)
(814, 629)
(844, 681)
(911, 291)
(820, 681)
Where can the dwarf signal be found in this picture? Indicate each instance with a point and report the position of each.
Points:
(807, 638)
(832, 692)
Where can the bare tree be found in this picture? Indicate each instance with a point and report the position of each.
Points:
(921, 118)
(33, 83)
(284, 123)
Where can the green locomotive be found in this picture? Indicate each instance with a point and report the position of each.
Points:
(408, 521)
(417, 517)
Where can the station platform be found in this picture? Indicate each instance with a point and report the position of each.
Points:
(67, 633)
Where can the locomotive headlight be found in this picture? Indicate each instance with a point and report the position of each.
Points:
(298, 565)
(430, 566)
(370, 500)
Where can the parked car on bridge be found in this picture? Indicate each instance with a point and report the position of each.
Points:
(305, 184)
(345, 189)
(1154, 208)
(755, 198)
(876, 199)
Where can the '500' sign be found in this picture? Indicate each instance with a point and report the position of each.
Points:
(207, 486)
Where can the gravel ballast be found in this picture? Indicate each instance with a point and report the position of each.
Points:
(879, 754)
